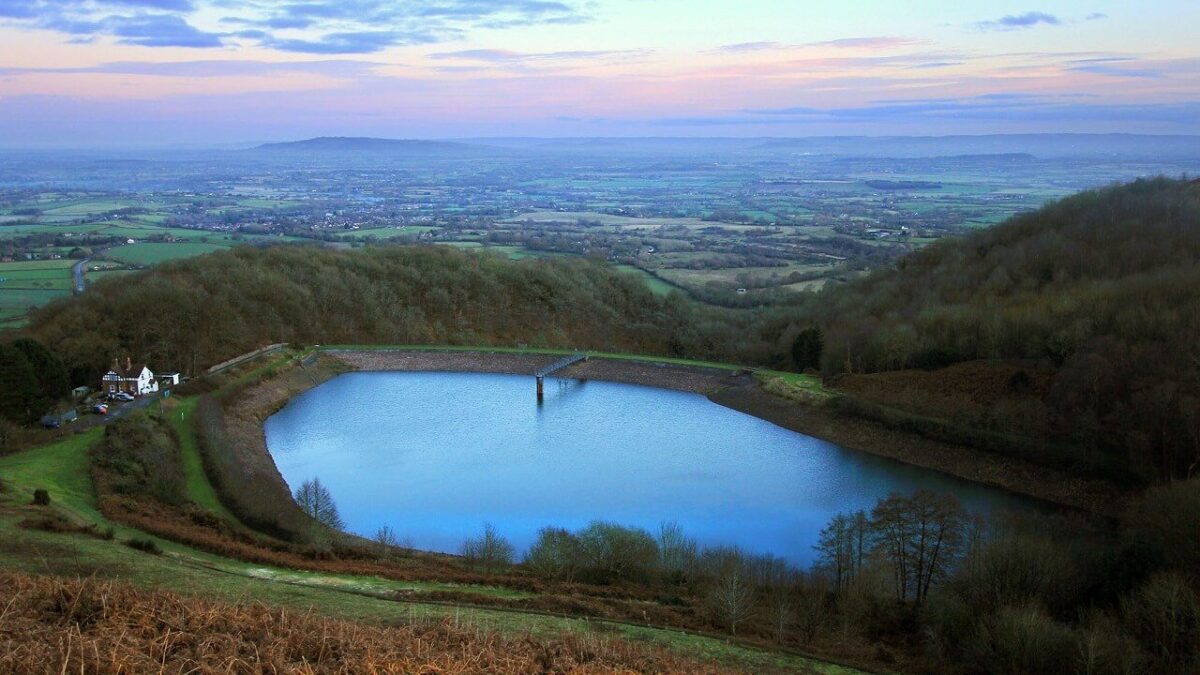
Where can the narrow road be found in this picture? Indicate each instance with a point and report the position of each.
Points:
(78, 272)
(115, 412)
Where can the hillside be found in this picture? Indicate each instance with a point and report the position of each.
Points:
(1089, 308)
(191, 314)
(1065, 336)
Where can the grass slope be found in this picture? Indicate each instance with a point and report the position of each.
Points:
(199, 490)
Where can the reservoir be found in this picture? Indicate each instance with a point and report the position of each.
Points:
(436, 455)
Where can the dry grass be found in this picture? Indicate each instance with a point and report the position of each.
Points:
(51, 625)
(622, 603)
(964, 391)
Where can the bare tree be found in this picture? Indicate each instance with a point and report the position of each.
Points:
(842, 546)
(921, 536)
(387, 540)
(732, 594)
(315, 500)
(489, 551)
(811, 606)
(677, 553)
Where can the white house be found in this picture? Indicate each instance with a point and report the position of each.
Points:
(134, 378)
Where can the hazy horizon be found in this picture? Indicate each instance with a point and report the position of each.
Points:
(203, 73)
(217, 146)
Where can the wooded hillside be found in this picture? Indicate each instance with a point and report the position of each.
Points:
(1097, 296)
(192, 314)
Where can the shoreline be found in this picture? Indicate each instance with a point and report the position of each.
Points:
(739, 390)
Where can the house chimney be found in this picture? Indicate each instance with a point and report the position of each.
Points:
(116, 364)
(128, 364)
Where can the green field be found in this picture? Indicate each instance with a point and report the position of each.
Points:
(137, 230)
(31, 283)
(107, 274)
(153, 254)
(386, 232)
(35, 278)
(657, 285)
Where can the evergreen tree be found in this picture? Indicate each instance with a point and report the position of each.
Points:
(807, 348)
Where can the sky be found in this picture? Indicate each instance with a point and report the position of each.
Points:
(144, 73)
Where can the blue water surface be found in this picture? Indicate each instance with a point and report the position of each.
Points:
(435, 455)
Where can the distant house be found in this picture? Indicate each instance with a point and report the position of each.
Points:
(168, 380)
(134, 378)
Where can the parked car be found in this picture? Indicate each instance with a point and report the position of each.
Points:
(51, 422)
(100, 409)
(123, 396)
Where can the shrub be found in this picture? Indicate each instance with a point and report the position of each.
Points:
(614, 552)
(1103, 648)
(41, 497)
(1165, 616)
(386, 541)
(139, 455)
(1015, 569)
(556, 555)
(1023, 641)
(1165, 526)
(144, 545)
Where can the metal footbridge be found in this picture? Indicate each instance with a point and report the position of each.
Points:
(565, 361)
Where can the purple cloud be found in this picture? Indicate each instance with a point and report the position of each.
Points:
(332, 26)
(1020, 21)
(161, 30)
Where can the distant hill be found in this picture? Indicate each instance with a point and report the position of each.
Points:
(990, 147)
(376, 146)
